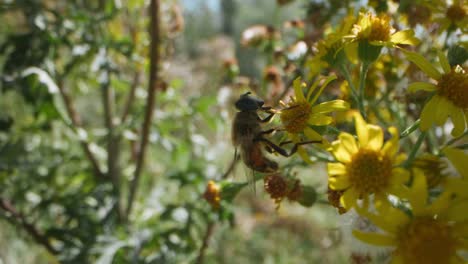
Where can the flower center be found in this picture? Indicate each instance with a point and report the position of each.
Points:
(378, 29)
(426, 240)
(456, 12)
(454, 87)
(296, 116)
(369, 171)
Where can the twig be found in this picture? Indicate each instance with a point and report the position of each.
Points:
(113, 139)
(204, 246)
(153, 77)
(211, 225)
(76, 122)
(131, 97)
(19, 218)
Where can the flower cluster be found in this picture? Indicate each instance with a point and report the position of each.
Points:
(370, 94)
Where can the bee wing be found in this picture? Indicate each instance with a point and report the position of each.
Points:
(250, 175)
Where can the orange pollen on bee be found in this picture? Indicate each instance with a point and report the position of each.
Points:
(296, 116)
(426, 240)
(369, 171)
(454, 87)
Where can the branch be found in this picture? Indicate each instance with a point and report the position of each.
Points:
(153, 77)
(113, 139)
(76, 121)
(211, 225)
(19, 218)
(204, 246)
(131, 97)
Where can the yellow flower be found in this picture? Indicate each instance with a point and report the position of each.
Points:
(366, 167)
(377, 31)
(371, 32)
(451, 93)
(301, 112)
(430, 233)
(213, 194)
(433, 168)
(330, 50)
(452, 16)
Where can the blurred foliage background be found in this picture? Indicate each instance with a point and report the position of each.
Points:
(91, 172)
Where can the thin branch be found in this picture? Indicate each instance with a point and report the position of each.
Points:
(152, 86)
(211, 225)
(113, 139)
(19, 218)
(131, 97)
(206, 240)
(76, 122)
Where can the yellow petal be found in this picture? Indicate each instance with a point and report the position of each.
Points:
(361, 130)
(348, 142)
(423, 64)
(325, 83)
(418, 196)
(336, 169)
(421, 86)
(349, 198)
(340, 152)
(428, 113)
(297, 85)
(399, 176)
(441, 204)
(330, 106)
(457, 211)
(312, 134)
(382, 222)
(457, 186)
(399, 191)
(459, 159)
(319, 120)
(442, 110)
(304, 155)
(458, 119)
(391, 147)
(375, 137)
(405, 37)
(375, 239)
(399, 159)
(339, 182)
(444, 62)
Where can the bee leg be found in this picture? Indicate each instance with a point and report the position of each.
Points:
(282, 151)
(285, 142)
(266, 132)
(267, 119)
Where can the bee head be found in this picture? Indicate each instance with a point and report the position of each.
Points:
(247, 102)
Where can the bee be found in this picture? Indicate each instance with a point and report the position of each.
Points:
(247, 130)
(248, 136)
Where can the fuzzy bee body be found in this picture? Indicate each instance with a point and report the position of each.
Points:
(246, 129)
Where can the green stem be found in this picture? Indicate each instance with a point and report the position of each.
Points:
(410, 129)
(354, 94)
(453, 140)
(362, 84)
(415, 149)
